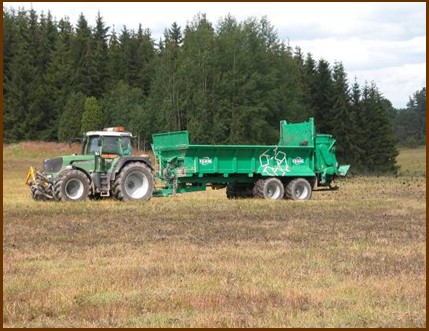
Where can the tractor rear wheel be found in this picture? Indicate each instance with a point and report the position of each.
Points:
(71, 185)
(298, 189)
(135, 182)
(270, 188)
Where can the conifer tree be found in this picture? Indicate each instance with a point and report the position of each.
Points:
(115, 64)
(342, 121)
(59, 71)
(92, 117)
(380, 150)
(71, 118)
(196, 72)
(99, 49)
(145, 56)
(166, 87)
(324, 97)
(81, 54)
(20, 116)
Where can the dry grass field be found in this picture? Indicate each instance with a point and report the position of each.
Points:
(355, 257)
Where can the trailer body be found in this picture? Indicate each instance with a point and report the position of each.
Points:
(300, 153)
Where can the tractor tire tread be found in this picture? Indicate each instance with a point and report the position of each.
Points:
(58, 185)
(117, 187)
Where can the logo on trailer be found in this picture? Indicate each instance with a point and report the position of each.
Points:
(298, 160)
(206, 160)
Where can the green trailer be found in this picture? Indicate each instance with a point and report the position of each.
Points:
(300, 162)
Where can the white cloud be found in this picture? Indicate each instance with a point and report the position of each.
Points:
(396, 83)
(384, 42)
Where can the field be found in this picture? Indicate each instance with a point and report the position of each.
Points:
(355, 257)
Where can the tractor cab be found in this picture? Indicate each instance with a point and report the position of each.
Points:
(109, 143)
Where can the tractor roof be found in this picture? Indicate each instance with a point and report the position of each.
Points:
(108, 133)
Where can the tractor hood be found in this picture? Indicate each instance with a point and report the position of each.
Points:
(56, 165)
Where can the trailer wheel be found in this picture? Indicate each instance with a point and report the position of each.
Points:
(270, 188)
(298, 189)
(135, 182)
(71, 185)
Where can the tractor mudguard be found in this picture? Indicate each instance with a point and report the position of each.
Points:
(126, 159)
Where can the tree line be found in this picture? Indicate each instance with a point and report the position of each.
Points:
(226, 83)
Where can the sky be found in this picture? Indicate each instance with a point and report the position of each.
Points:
(381, 42)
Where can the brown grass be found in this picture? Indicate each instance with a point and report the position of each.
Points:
(355, 257)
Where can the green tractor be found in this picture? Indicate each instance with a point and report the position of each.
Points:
(104, 168)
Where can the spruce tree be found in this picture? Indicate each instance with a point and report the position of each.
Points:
(59, 71)
(71, 118)
(197, 74)
(380, 147)
(145, 57)
(166, 88)
(309, 84)
(417, 104)
(92, 117)
(324, 97)
(342, 121)
(99, 50)
(358, 134)
(20, 117)
(81, 55)
(115, 65)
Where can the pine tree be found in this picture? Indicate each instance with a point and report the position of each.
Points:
(59, 72)
(358, 135)
(124, 106)
(225, 85)
(81, 55)
(166, 88)
(71, 118)
(115, 65)
(380, 150)
(309, 80)
(342, 121)
(324, 97)
(92, 117)
(247, 85)
(99, 50)
(9, 45)
(46, 97)
(129, 65)
(196, 71)
(292, 97)
(410, 123)
(303, 104)
(417, 104)
(145, 57)
(20, 117)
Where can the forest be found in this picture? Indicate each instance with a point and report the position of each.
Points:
(226, 83)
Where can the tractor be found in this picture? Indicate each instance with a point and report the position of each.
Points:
(104, 168)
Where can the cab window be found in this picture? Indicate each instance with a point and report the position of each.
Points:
(111, 145)
(91, 145)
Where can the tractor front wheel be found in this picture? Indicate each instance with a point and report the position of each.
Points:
(135, 182)
(71, 185)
